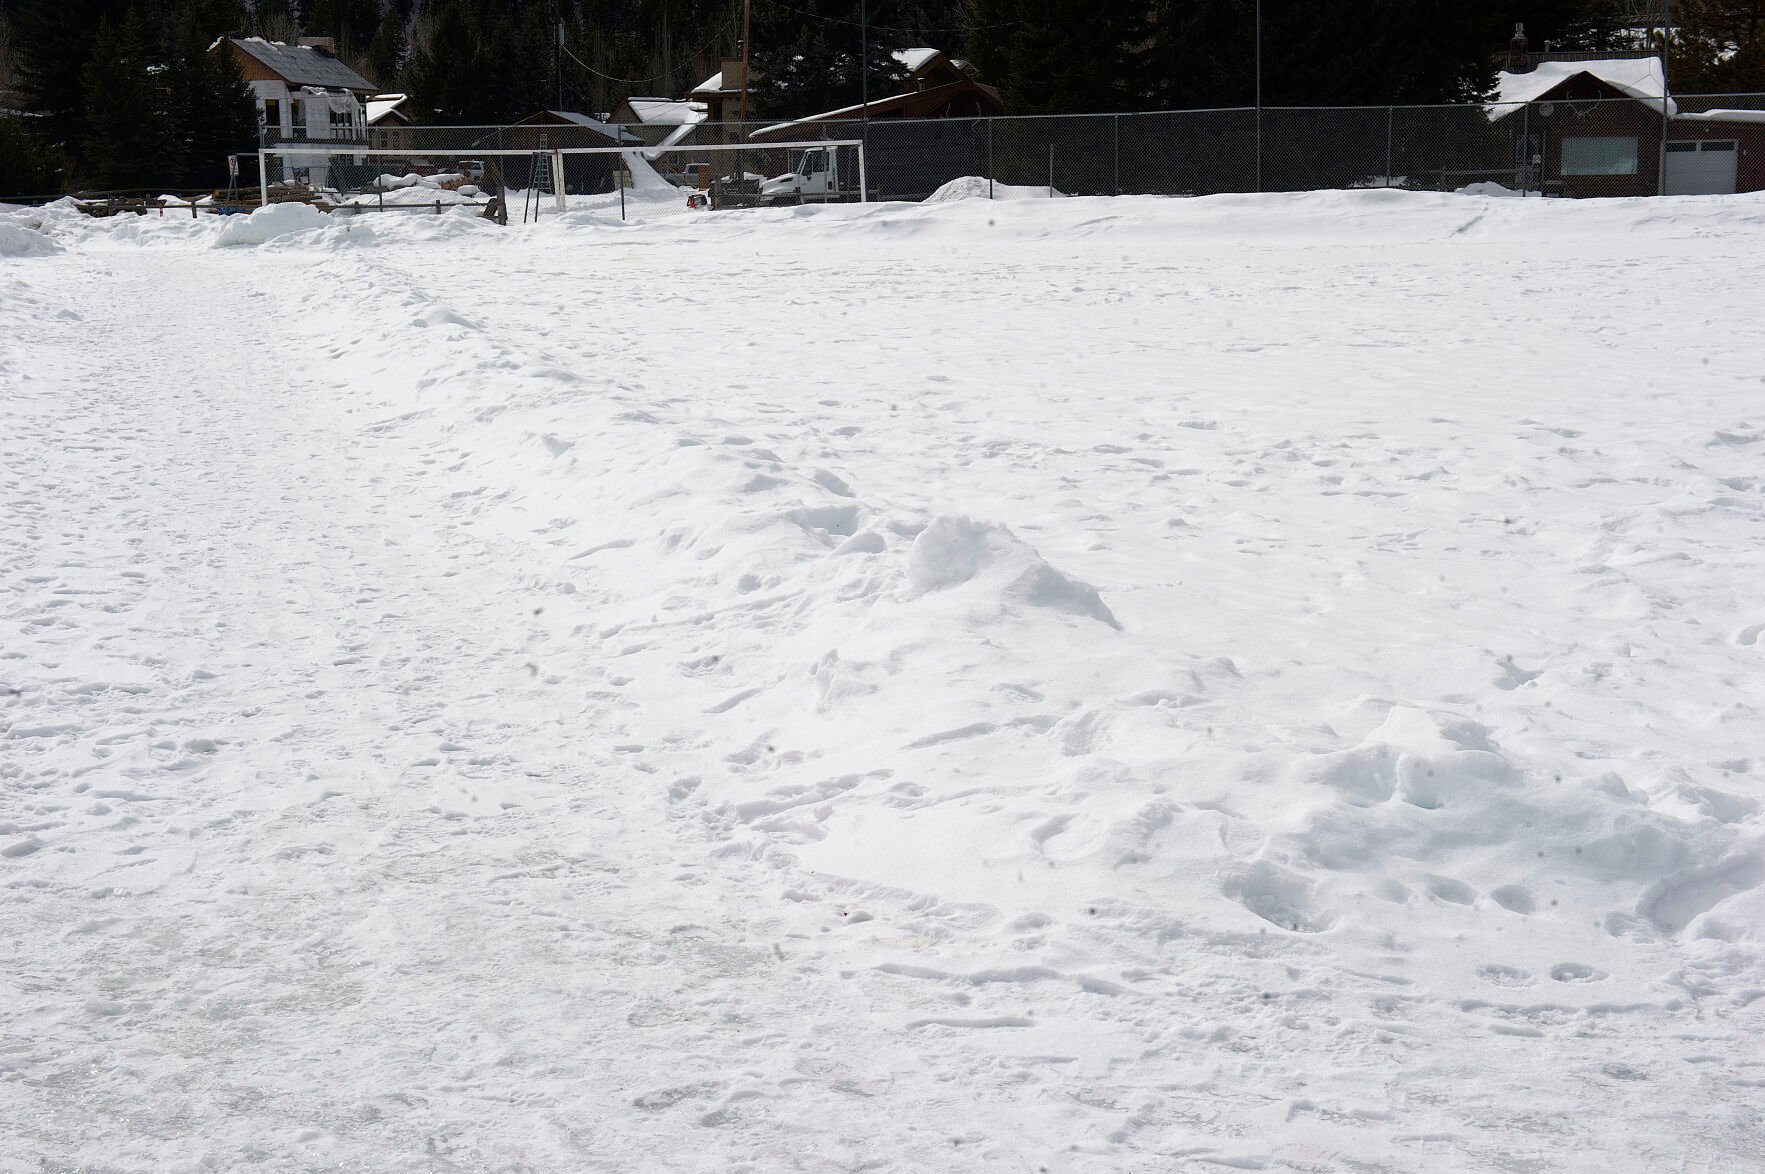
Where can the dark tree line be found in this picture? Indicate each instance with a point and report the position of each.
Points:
(124, 93)
(114, 95)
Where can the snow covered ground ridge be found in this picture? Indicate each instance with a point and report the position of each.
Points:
(1194, 693)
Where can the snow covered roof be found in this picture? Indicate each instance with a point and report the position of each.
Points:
(617, 133)
(711, 85)
(674, 138)
(303, 65)
(1637, 77)
(914, 59)
(380, 105)
(1724, 116)
(667, 111)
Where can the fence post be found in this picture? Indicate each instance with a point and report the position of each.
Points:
(558, 180)
(1390, 116)
(1050, 171)
(990, 122)
(1525, 148)
(1118, 154)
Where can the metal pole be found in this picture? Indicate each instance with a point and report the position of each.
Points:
(1666, 49)
(1525, 148)
(863, 73)
(747, 13)
(1050, 171)
(990, 158)
(263, 179)
(558, 180)
(863, 176)
(1259, 95)
(1118, 154)
(1390, 115)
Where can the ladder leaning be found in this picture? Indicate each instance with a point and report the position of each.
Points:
(540, 181)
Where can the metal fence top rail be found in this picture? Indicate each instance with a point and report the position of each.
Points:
(1469, 104)
(637, 149)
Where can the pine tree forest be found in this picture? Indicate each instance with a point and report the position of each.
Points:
(107, 93)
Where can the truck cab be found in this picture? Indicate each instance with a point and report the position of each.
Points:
(814, 177)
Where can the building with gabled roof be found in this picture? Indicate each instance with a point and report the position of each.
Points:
(1599, 126)
(304, 95)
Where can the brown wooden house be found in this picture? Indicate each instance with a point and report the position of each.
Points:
(554, 129)
(1598, 126)
(935, 87)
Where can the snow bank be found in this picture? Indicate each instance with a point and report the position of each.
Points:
(16, 240)
(953, 551)
(974, 187)
(1491, 189)
(268, 223)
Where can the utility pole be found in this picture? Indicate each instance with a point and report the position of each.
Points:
(747, 13)
(864, 61)
(1666, 52)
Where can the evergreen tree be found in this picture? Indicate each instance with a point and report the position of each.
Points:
(815, 55)
(53, 43)
(439, 78)
(131, 134)
(217, 114)
(388, 50)
(27, 167)
(1064, 56)
(1719, 46)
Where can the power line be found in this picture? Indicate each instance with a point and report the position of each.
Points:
(915, 32)
(640, 81)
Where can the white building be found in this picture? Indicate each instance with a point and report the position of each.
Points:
(304, 95)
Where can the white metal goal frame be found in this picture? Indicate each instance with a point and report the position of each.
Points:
(318, 147)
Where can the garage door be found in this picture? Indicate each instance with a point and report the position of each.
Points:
(1703, 168)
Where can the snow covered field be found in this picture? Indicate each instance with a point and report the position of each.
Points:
(1069, 686)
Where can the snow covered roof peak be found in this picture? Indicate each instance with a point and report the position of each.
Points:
(915, 59)
(303, 65)
(1637, 77)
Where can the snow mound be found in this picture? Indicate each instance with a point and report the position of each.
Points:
(19, 241)
(955, 550)
(1488, 188)
(975, 187)
(268, 223)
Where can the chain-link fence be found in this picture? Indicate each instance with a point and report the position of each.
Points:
(1597, 147)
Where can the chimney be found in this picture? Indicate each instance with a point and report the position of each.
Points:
(324, 45)
(1519, 60)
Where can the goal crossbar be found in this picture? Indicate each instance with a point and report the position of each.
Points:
(336, 147)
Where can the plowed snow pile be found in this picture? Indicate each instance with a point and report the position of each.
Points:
(1074, 685)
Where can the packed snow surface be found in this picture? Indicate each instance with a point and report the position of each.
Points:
(1071, 685)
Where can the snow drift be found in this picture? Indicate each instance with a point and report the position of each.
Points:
(1195, 683)
(266, 224)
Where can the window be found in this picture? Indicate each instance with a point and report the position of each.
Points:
(1681, 148)
(294, 112)
(273, 114)
(1604, 155)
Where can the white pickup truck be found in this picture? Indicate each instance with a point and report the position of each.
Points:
(813, 178)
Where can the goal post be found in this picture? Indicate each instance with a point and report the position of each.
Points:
(791, 171)
(347, 169)
(637, 178)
